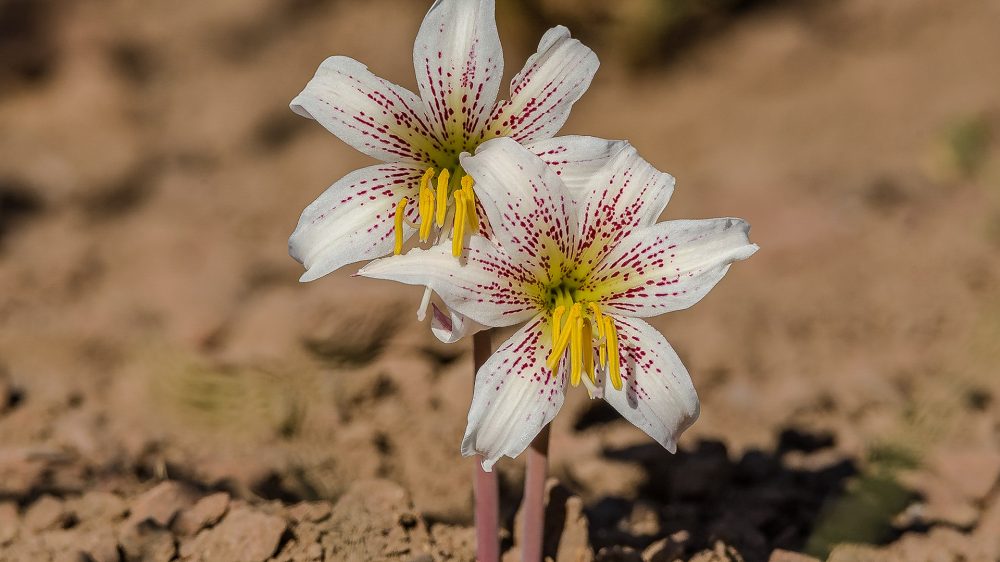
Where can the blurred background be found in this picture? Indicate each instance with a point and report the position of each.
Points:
(159, 361)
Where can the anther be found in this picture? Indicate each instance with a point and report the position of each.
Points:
(426, 205)
(557, 315)
(458, 230)
(587, 349)
(400, 213)
(576, 350)
(614, 361)
(442, 196)
(602, 347)
(560, 347)
(470, 200)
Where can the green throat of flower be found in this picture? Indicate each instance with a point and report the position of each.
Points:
(579, 327)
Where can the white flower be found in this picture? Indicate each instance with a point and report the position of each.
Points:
(577, 254)
(421, 187)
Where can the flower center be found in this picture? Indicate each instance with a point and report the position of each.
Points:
(578, 327)
(434, 207)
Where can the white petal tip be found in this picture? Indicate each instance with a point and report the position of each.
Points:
(310, 275)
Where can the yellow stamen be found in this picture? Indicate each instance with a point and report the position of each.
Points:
(602, 348)
(426, 214)
(426, 205)
(587, 338)
(458, 231)
(470, 200)
(560, 347)
(576, 351)
(614, 361)
(400, 213)
(442, 196)
(556, 320)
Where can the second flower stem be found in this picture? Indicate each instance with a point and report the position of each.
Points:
(534, 497)
(485, 489)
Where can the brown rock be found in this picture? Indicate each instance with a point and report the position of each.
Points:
(146, 542)
(310, 511)
(244, 534)
(663, 550)
(98, 505)
(720, 553)
(160, 504)
(10, 521)
(574, 542)
(46, 513)
(856, 553)
(986, 536)
(373, 520)
(99, 544)
(452, 541)
(972, 473)
(789, 556)
(618, 554)
(567, 537)
(205, 513)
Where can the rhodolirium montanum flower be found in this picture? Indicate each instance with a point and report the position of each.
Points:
(577, 255)
(422, 187)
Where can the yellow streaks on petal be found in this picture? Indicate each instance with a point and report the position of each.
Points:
(400, 213)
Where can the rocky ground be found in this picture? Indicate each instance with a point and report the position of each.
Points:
(168, 391)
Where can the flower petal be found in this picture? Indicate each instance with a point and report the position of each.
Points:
(657, 395)
(449, 326)
(373, 115)
(542, 94)
(459, 65)
(623, 195)
(354, 219)
(527, 205)
(489, 287)
(515, 395)
(576, 159)
(668, 266)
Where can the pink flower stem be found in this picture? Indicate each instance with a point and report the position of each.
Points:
(485, 488)
(534, 497)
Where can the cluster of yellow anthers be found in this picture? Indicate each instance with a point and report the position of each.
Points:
(434, 210)
(577, 333)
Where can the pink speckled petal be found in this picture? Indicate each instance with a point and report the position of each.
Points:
(449, 326)
(576, 159)
(514, 396)
(657, 395)
(668, 266)
(527, 205)
(377, 117)
(353, 220)
(623, 195)
(459, 66)
(488, 287)
(543, 93)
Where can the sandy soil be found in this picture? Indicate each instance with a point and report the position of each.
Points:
(168, 391)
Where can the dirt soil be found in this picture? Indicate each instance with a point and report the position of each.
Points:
(169, 391)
